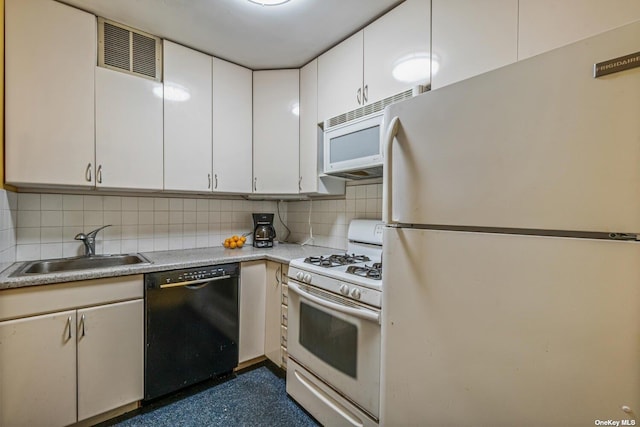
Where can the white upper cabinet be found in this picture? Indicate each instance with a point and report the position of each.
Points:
(275, 131)
(396, 50)
(548, 24)
(232, 127)
(471, 37)
(309, 127)
(50, 61)
(340, 72)
(187, 119)
(312, 180)
(360, 70)
(128, 131)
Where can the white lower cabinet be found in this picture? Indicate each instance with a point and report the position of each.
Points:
(38, 370)
(110, 362)
(252, 310)
(272, 312)
(74, 363)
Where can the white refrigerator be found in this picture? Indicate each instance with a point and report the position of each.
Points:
(511, 263)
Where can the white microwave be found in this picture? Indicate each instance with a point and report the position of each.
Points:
(353, 150)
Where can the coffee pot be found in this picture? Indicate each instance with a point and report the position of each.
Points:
(263, 230)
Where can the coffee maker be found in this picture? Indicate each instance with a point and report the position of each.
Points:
(263, 230)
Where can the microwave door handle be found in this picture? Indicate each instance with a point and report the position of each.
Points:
(357, 312)
(391, 132)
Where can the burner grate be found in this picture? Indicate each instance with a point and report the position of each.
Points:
(336, 260)
(372, 272)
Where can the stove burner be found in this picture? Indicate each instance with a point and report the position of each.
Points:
(336, 260)
(374, 272)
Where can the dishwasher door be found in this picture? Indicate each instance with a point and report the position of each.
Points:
(191, 327)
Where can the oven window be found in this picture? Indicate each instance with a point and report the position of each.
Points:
(362, 143)
(331, 339)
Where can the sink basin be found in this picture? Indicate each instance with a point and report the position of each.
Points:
(79, 263)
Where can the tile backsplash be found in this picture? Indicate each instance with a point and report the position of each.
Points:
(328, 220)
(47, 223)
(41, 226)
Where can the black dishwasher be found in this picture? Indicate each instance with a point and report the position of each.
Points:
(192, 327)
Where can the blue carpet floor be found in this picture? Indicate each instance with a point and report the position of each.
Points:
(253, 398)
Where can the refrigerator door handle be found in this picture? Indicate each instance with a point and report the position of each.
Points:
(392, 131)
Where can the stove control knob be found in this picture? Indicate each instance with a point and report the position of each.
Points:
(355, 293)
(299, 275)
(307, 278)
(344, 290)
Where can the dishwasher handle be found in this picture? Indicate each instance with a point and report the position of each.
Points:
(199, 283)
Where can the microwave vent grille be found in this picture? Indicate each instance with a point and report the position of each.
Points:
(374, 107)
(129, 51)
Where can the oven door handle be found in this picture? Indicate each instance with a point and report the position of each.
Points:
(357, 312)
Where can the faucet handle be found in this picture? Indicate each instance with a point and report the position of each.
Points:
(94, 232)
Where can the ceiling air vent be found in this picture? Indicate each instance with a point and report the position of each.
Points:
(124, 49)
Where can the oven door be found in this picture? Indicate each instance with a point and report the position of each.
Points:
(338, 340)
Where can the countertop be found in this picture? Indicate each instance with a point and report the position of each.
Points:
(167, 260)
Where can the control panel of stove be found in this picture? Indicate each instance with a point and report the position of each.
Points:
(303, 277)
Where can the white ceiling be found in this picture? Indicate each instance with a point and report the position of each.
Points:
(257, 37)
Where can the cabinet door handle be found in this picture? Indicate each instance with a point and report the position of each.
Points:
(278, 275)
(82, 326)
(88, 173)
(99, 174)
(359, 96)
(69, 320)
(209, 180)
(300, 184)
(255, 184)
(365, 94)
(216, 179)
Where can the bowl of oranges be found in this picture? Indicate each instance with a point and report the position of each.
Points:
(234, 242)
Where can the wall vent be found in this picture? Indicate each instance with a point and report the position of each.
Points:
(124, 49)
(374, 107)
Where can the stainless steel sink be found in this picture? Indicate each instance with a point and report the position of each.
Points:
(79, 263)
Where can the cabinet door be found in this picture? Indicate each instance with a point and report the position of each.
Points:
(252, 310)
(110, 357)
(128, 131)
(232, 127)
(38, 370)
(340, 78)
(50, 61)
(470, 37)
(397, 50)
(548, 24)
(309, 127)
(187, 119)
(276, 131)
(272, 312)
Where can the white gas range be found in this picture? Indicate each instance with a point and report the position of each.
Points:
(334, 329)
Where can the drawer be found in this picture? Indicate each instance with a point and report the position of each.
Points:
(283, 315)
(285, 295)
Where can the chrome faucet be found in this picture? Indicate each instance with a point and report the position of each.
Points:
(89, 240)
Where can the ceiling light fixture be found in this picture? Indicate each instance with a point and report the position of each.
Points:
(269, 2)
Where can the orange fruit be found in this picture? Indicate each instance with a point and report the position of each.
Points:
(235, 238)
(232, 245)
(239, 243)
(243, 239)
(226, 243)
